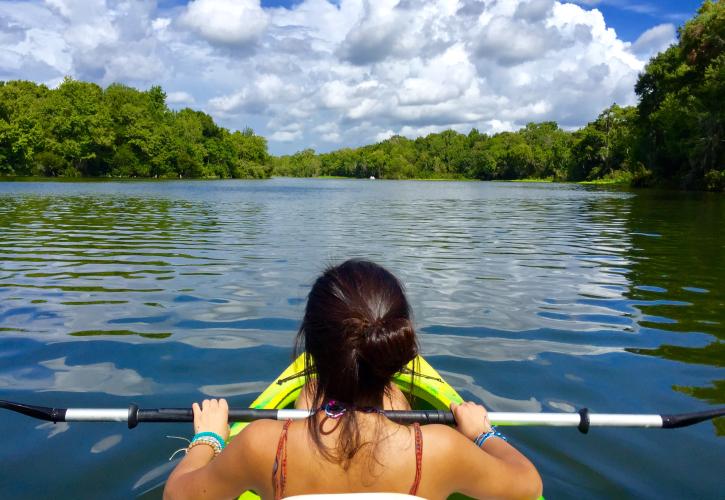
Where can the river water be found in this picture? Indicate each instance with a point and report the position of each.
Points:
(528, 297)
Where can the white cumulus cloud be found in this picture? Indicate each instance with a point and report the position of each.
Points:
(229, 22)
(326, 74)
(179, 97)
(655, 39)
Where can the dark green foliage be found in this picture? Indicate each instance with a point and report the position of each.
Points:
(605, 146)
(80, 129)
(537, 151)
(682, 104)
(49, 164)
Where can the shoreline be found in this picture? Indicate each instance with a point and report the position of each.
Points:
(321, 177)
(599, 182)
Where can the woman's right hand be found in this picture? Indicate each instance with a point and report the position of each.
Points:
(212, 416)
(471, 419)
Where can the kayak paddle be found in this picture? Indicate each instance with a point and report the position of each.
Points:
(582, 419)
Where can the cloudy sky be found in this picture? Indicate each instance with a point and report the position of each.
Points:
(327, 74)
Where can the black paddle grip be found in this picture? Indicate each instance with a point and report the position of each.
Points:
(187, 415)
(423, 417)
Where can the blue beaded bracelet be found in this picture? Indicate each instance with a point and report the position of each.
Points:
(484, 436)
(212, 435)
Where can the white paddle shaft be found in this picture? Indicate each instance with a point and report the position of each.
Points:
(496, 418)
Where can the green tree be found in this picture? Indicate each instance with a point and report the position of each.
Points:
(681, 106)
(81, 129)
(20, 131)
(606, 145)
(306, 163)
(550, 148)
(75, 127)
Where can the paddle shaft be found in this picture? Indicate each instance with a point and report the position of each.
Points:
(583, 420)
(134, 415)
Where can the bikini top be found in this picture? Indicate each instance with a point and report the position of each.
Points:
(279, 470)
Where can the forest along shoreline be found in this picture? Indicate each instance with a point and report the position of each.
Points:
(672, 138)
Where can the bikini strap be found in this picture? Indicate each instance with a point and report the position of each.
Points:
(279, 470)
(418, 459)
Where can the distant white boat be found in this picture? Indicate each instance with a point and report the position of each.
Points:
(372, 177)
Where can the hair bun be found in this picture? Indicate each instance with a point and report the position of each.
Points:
(385, 345)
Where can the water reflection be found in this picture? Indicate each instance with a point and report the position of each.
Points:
(54, 428)
(503, 349)
(465, 383)
(72, 252)
(94, 377)
(116, 333)
(235, 389)
(679, 253)
(153, 481)
(106, 443)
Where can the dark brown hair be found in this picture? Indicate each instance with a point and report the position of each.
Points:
(357, 333)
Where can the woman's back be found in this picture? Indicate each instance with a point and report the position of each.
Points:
(449, 462)
(390, 464)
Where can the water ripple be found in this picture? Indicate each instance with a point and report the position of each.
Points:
(527, 297)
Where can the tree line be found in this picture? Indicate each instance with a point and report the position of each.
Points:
(80, 129)
(674, 136)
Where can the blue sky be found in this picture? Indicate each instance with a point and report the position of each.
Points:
(326, 75)
(631, 18)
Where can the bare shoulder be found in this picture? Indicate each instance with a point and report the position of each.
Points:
(249, 456)
(442, 446)
(256, 443)
(442, 437)
(452, 450)
(498, 471)
(262, 427)
(446, 441)
(258, 434)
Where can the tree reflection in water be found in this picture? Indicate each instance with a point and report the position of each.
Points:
(677, 270)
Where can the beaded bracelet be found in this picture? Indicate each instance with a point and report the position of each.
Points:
(484, 436)
(212, 435)
(209, 441)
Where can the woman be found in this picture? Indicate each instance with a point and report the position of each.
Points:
(357, 333)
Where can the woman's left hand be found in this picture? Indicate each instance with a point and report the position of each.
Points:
(212, 416)
(471, 419)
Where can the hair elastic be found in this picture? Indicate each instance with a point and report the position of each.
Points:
(335, 409)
